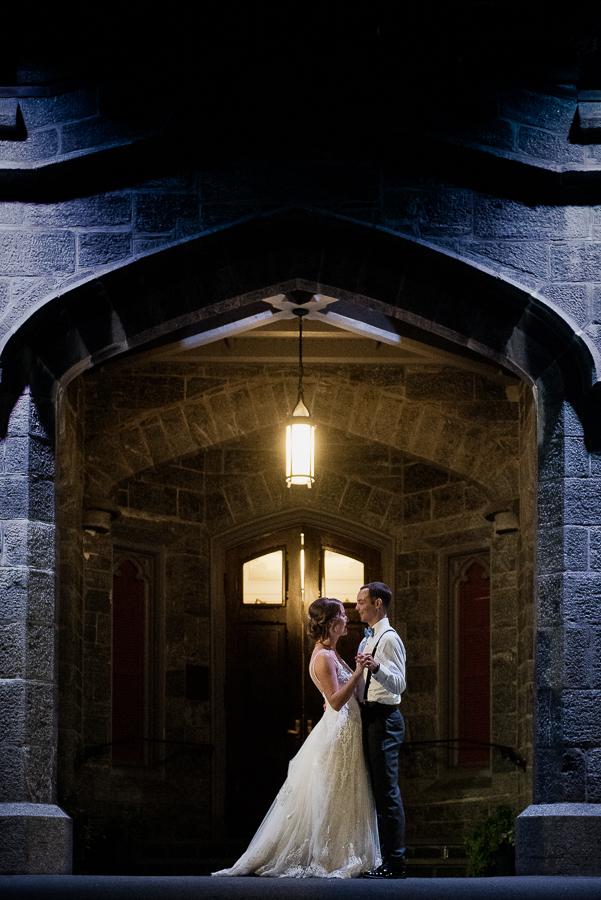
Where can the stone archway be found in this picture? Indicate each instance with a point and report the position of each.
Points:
(143, 306)
(189, 454)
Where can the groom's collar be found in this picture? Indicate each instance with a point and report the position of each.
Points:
(382, 623)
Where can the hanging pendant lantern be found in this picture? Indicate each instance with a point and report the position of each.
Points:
(300, 434)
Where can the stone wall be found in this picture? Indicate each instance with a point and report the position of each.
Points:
(492, 199)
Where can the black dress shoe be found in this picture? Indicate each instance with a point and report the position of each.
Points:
(386, 871)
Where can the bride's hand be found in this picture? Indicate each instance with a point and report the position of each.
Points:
(361, 661)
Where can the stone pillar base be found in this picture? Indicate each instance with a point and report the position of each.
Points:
(558, 839)
(35, 839)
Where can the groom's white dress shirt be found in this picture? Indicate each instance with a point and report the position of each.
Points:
(388, 683)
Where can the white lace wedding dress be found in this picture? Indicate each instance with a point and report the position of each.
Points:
(322, 824)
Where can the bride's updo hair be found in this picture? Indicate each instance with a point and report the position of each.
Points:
(322, 613)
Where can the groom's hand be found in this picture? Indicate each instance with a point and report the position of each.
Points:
(367, 660)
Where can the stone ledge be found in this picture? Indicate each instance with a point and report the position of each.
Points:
(35, 839)
(559, 839)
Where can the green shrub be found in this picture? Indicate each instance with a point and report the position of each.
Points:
(486, 841)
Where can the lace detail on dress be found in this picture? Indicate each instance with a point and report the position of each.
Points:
(322, 824)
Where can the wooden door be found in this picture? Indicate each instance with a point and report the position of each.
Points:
(271, 702)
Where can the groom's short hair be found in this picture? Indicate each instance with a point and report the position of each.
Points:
(379, 589)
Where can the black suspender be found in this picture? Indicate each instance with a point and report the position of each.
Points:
(373, 653)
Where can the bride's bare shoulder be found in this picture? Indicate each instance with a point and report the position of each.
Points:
(323, 660)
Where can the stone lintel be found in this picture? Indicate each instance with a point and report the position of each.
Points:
(35, 839)
(559, 839)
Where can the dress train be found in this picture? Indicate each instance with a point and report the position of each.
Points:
(322, 824)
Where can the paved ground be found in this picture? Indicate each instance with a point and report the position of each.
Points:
(116, 887)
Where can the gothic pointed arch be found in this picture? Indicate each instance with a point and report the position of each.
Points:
(219, 278)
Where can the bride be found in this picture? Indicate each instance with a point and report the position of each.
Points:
(322, 824)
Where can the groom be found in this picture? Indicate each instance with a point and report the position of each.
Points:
(383, 728)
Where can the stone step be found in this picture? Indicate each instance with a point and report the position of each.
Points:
(194, 857)
(430, 860)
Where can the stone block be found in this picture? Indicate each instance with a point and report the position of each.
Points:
(100, 249)
(422, 477)
(153, 498)
(582, 716)
(13, 594)
(200, 424)
(41, 594)
(576, 658)
(530, 258)
(547, 774)
(576, 262)
(493, 132)
(14, 497)
(40, 703)
(533, 108)
(41, 552)
(422, 679)
(495, 218)
(35, 839)
(158, 213)
(41, 639)
(238, 501)
(577, 464)
(595, 657)
(217, 510)
(41, 459)
(355, 499)
(582, 598)
(16, 456)
(550, 599)
(41, 501)
(156, 439)
(543, 145)
(12, 711)
(37, 111)
(593, 775)
(548, 650)
(572, 299)
(102, 210)
(573, 774)
(417, 508)
(190, 506)
(12, 650)
(447, 501)
(582, 501)
(149, 392)
(97, 132)
(447, 212)
(559, 839)
(447, 384)
(39, 145)
(36, 253)
(576, 548)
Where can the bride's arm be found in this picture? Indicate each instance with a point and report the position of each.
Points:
(326, 671)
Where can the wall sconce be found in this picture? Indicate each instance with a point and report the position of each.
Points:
(504, 516)
(98, 516)
(300, 434)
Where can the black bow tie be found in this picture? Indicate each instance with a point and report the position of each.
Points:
(369, 632)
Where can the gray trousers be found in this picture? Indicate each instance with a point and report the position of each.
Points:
(383, 731)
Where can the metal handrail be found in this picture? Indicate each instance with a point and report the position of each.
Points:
(505, 751)
(95, 749)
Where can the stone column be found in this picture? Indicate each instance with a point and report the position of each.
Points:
(560, 833)
(35, 835)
